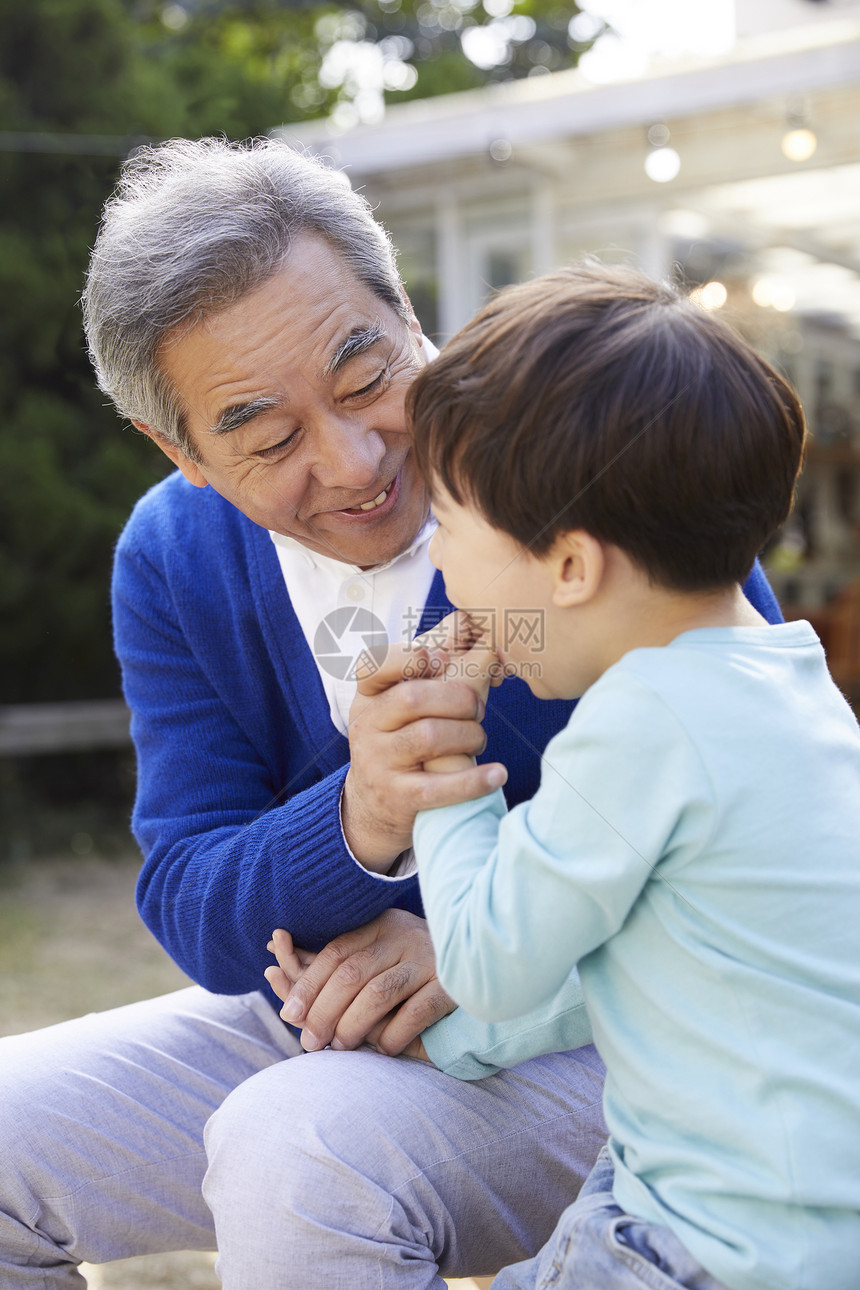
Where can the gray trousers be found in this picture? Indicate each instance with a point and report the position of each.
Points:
(337, 1171)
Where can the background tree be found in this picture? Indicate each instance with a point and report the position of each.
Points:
(67, 472)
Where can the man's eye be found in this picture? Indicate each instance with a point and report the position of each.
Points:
(277, 447)
(372, 387)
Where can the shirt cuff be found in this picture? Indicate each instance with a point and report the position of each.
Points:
(403, 866)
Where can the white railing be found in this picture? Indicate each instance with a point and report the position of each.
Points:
(31, 728)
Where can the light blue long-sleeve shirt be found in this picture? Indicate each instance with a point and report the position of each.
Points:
(695, 847)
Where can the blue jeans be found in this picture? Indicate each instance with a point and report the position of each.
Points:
(596, 1246)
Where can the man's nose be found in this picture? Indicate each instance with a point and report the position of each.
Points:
(348, 454)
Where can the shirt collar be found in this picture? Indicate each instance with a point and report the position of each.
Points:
(328, 563)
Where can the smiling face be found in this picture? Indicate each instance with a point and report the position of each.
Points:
(294, 397)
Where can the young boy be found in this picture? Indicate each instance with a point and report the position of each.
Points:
(607, 460)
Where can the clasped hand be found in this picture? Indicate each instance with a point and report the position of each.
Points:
(375, 985)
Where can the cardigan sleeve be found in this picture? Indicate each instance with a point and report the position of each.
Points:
(232, 846)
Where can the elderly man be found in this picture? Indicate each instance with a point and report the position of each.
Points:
(244, 311)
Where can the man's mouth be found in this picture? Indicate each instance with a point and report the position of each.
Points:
(373, 503)
(381, 504)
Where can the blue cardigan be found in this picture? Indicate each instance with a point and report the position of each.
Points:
(240, 769)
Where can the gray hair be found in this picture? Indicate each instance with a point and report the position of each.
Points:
(193, 226)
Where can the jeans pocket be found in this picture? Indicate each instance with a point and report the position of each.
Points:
(629, 1239)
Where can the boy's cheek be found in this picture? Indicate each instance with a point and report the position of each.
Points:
(435, 551)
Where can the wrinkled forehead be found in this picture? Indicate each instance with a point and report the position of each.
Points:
(285, 343)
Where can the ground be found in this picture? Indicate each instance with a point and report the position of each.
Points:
(71, 942)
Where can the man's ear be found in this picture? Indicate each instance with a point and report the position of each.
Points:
(190, 469)
(414, 324)
(577, 563)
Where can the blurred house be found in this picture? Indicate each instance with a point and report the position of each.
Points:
(738, 172)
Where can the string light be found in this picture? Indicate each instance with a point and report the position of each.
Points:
(799, 144)
(662, 163)
(713, 295)
(771, 292)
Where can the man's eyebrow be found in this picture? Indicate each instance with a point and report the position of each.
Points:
(241, 413)
(357, 342)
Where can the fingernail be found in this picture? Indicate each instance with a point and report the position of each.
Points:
(292, 1010)
(496, 777)
(310, 1043)
(337, 1046)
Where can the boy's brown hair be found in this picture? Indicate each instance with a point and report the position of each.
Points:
(596, 398)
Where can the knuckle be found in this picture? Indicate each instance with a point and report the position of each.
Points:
(439, 1003)
(338, 950)
(349, 973)
(431, 790)
(411, 697)
(415, 740)
(461, 698)
(391, 985)
(396, 918)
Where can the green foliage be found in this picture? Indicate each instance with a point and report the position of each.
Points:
(82, 81)
(67, 475)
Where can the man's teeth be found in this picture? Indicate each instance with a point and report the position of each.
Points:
(376, 501)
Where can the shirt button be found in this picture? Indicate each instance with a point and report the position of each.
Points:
(355, 592)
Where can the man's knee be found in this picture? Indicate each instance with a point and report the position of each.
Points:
(367, 1153)
(325, 1125)
(301, 1114)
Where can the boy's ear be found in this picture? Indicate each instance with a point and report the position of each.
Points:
(190, 469)
(578, 562)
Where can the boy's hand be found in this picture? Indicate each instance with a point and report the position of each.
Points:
(454, 649)
(374, 985)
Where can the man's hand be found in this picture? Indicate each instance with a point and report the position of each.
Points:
(397, 725)
(377, 985)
